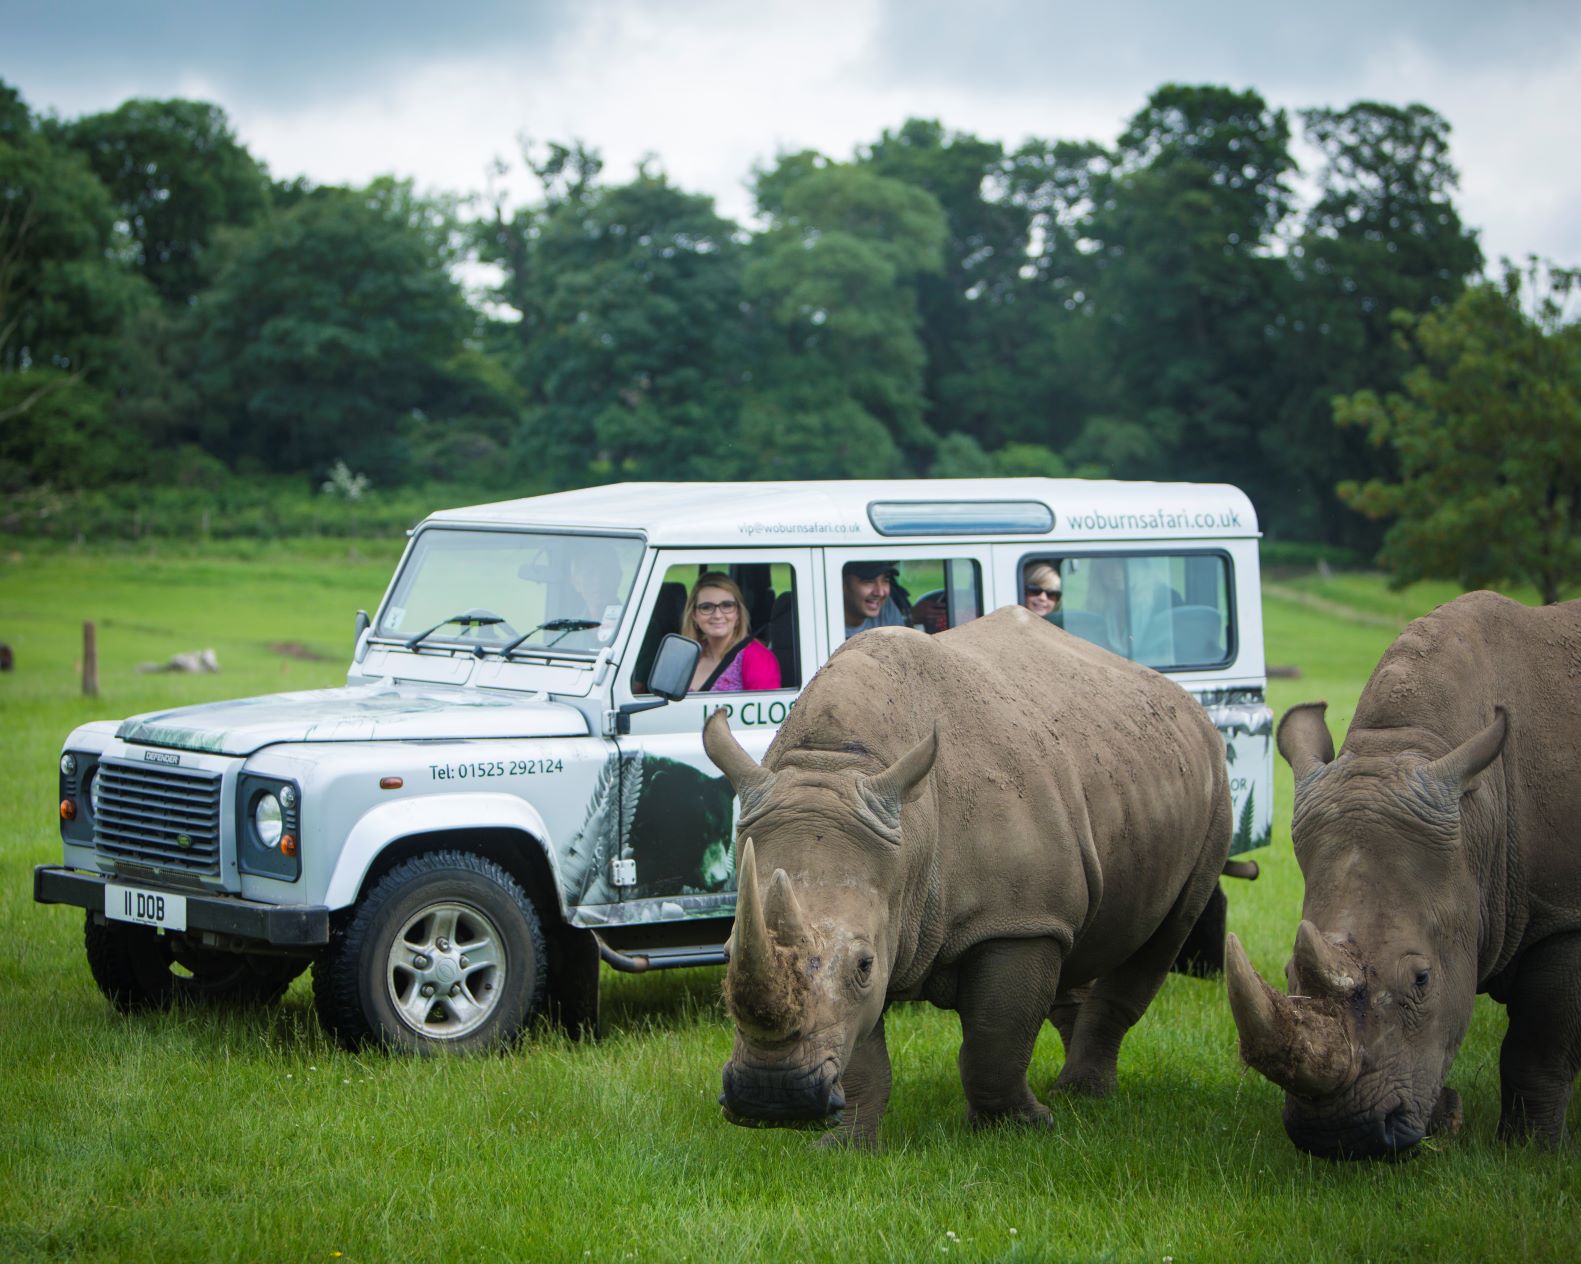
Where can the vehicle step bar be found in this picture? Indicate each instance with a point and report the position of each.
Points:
(660, 958)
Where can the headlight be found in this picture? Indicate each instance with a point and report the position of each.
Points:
(93, 791)
(68, 764)
(268, 820)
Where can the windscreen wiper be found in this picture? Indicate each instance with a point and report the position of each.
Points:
(467, 619)
(562, 626)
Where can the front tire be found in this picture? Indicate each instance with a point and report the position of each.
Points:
(138, 969)
(446, 952)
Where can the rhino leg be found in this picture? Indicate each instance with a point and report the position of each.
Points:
(1063, 1014)
(1541, 1053)
(1116, 1001)
(1006, 990)
(865, 1083)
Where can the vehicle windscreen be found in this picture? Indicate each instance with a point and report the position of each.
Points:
(511, 591)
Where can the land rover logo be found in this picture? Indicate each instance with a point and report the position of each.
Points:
(160, 757)
(184, 841)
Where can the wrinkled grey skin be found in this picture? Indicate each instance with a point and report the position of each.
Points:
(990, 819)
(1440, 857)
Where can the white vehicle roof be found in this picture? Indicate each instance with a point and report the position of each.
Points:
(853, 512)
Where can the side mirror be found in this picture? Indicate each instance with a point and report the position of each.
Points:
(362, 624)
(671, 674)
(670, 677)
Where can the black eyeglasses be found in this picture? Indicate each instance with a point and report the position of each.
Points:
(727, 606)
(1053, 594)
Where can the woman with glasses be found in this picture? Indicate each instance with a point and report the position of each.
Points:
(731, 661)
(1042, 589)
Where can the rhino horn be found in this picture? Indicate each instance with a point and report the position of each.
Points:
(1300, 1043)
(1455, 770)
(751, 950)
(782, 913)
(1322, 969)
(749, 779)
(766, 997)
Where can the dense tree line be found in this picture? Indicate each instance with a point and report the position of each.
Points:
(936, 303)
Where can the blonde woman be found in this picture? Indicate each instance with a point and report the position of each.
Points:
(1042, 589)
(731, 661)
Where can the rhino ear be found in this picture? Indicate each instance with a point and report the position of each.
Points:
(750, 780)
(1303, 738)
(885, 793)
(1454, 772)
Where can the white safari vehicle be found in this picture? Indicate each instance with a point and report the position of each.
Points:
(511, 785)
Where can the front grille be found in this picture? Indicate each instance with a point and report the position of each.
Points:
(165, 817)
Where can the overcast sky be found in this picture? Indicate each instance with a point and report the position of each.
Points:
(341, 93)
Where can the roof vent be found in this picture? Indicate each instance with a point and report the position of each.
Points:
(960, 517)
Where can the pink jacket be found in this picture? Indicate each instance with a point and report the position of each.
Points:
(755, 667)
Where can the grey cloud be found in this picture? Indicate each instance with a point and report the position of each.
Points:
(1094, 49)
(257, 53)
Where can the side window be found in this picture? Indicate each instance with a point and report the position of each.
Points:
(743, 614)
(929, 595)
(1164, 610)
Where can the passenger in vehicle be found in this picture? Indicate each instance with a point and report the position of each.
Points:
(1042, 590)
(716, 618)
(870, 597)
(1107, 598)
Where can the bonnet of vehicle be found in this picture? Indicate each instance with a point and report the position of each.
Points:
(358, 713)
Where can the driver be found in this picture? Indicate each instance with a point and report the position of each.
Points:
(595, 579)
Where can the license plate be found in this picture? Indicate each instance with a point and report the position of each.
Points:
(146, 908)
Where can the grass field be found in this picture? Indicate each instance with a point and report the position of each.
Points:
(203, 1136)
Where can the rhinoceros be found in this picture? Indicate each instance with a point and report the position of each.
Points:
(1441, 859)
(990, 819)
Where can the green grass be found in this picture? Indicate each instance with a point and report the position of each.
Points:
(214, 1136)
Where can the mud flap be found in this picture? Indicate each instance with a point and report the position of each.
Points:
(573, 1000)
(1202, 955)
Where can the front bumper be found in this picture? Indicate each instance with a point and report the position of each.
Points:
(287, 925)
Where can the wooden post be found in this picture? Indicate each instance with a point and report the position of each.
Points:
(90, 662)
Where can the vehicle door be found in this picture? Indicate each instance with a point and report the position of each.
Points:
(676, 818)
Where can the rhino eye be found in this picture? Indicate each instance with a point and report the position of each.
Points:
(1421, 980)
(864, 969)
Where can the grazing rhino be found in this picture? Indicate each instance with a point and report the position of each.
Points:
(1441, 860)
(988, 819)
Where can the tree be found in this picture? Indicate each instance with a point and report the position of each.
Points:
(177, 175)
(632, 344)
(64, 292)
(508, 237)
(1487, 432)
(974, 322)
(330, 334)
(66, 302)
(1382, 236)
(1183, 285)
(833, 282)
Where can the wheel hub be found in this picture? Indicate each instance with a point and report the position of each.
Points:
(446, 970)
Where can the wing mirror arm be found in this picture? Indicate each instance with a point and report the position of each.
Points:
(670, 677)
(626, 710)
